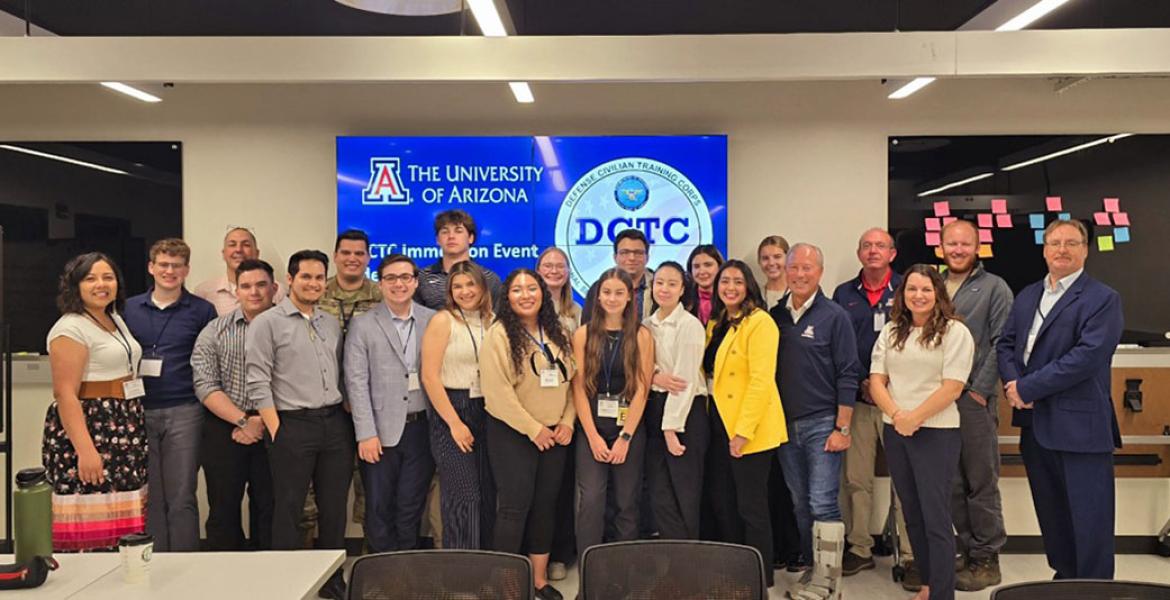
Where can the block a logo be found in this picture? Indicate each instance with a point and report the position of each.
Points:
(385, 185)
(630, 193)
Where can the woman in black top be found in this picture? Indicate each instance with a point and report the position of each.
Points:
(617, 358)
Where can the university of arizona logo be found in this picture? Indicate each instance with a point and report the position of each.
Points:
(385, 185)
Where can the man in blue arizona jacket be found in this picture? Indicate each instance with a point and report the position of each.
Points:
(1054, 358)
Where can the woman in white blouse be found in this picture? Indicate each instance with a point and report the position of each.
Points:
(451, 347)
(676, 412)
(920, 364)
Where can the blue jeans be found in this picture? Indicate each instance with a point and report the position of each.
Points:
(812, 474)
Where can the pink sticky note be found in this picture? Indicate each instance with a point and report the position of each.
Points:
(1003, 221)
(933, 224)
(999, 206)
(1121, 219)
(985, 220)
(1101, 218)
(942, 208)
(933, 239)
(1112, 205)
(1054, 203)
(949, 220)
(985, 236)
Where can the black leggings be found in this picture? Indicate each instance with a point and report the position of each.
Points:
(527, 483)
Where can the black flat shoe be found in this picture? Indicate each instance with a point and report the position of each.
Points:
(548, 592)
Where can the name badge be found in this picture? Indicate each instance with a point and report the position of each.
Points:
(608, 406)
(412, 384)
(150, 367)
(475, 391)
(133, 389)
(549, 378)
(879, 321)
(623, 412)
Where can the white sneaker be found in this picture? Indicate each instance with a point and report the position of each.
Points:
(557, 571)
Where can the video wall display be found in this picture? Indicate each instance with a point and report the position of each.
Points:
(527, 193)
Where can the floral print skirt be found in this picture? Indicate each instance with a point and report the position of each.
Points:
(90, 517)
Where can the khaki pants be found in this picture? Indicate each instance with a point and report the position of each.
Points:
(857, 483)
(308, 523)
(432, 523)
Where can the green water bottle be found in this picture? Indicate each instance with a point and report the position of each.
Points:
(32, 506)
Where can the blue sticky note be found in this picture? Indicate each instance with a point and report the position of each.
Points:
(1036, 221)
(1039, 236)
(1121, 234)
(1065, 216)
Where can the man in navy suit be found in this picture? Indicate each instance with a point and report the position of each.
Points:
(1054, 358)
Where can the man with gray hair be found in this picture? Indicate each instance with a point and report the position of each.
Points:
(817, 373)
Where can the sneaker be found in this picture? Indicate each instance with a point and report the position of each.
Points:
(979, 574)
(334, 588)
(800, 585)
(853, 564)
(912, 580)
(557, 571)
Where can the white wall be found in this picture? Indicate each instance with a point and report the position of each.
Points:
(806, 160)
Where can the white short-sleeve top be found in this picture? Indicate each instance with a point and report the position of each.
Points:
(916, 371)
(112, 354)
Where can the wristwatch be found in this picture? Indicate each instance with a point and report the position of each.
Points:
(625, 436)
(242, 421)
(842, 430)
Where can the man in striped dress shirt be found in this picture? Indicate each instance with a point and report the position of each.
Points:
(232, 452)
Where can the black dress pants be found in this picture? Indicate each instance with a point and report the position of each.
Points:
(740, 494)
(311, 445)
(676, 482)
(230, 469)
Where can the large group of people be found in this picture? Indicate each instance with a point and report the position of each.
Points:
(658, 409)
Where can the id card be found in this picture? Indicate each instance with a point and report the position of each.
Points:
(879, 321)
(133, 389)
(150, 367)
(412, 384)
(475, 391)
(608, 406)
(549, 378)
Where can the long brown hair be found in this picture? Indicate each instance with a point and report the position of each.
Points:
(519, 341)
(940, 318)
(595, 337)
(472, 270)
(752, 300)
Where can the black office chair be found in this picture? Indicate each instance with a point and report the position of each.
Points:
(672, 570)
(441, 575)
(1082, 589)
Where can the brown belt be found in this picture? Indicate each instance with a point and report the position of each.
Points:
(91, 390)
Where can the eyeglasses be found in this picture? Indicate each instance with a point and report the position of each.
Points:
(407, 278)
(169, 266)
(631, 253)
(1070, 244)
(553, 267)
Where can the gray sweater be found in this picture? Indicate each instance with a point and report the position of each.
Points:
(984, 301)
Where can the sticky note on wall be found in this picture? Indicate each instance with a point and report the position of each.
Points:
(942, 208)
(933, 238)
(1112, 205)
(985, 236)
(1105, 243)
(1036, 221)
(985, 220)
(1003, 221)
(1101, 218)
(999, 206)
(1039, 237)
(985, 251)
(1121, 235)
(1121, 219)
(1054, 203)
(933, 224)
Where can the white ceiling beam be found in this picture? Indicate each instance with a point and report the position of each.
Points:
(795, 57)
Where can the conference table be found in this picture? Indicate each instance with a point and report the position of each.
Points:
(189, 575)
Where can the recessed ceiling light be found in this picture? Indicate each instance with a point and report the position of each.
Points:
(133, 92)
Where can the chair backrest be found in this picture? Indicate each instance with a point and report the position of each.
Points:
(1082, 589)
(441, 575)
(672, 570)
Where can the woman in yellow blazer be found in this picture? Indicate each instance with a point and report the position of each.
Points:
(747, 420)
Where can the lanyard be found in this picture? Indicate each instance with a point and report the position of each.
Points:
(474, 346)
(543, 347)
(123, 342)
(344, 317)
(158, 338)
(609, 361)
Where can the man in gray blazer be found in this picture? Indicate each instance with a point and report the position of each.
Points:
(382, 354)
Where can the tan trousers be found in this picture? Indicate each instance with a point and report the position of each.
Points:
(432, 523)
(857, 483)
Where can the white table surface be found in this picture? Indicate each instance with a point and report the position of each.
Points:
(195, 575)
